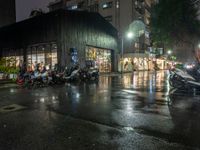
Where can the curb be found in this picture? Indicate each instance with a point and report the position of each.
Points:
(6, 82)
(10, 85)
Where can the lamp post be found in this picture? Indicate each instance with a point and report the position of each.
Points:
(130, 35)
(169, 52)
(122, 53)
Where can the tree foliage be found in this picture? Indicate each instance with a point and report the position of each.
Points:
(175, 21)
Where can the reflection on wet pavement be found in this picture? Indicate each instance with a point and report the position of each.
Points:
(136, 102)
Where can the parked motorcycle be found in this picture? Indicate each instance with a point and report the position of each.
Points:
(193, 69)
(83, 74)
(93, 74)
(182, 80)
(72, 74)
(55, 78)
(24, 80)
(40, 79)
(89, 74)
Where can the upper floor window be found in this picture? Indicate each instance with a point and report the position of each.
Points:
(107, 5)
(72, 7)
(117, 4)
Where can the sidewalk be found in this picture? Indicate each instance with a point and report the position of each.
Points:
(6, 81)
(7, 84)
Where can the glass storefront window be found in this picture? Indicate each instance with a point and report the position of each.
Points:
(19, 60)
(29, 56)
(46, 55)
(19, 57)
(129, 64)
(40, 55)
(102, 58)
(54, 55)
(34, 55)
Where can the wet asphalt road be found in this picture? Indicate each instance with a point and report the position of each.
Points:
(133, 111)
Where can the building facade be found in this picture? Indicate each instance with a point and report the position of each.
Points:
(60, 37)
(7, 12)
(122, 14)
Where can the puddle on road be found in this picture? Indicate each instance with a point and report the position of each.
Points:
(11, 108)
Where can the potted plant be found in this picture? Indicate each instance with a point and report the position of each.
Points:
(12, 71)
(2, 68)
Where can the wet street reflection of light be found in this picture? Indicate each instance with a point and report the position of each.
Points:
(115, 98)
(167, 86)
(151, 85)
(77, 95)
(127, 81)
(130, 91)
(104, 82)
(42, 100)
(53, 97)
(128, 129)
(117, 112)
(134, 81)
(12, 90)
(129, 107)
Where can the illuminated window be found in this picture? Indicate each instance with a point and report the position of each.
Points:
(34, 55)
(117, 4)
(137, 45)
(101, 57)
(141, 32)
(12, 57)
(107, 5)
(40, 55)
(74, 7)
(29, 56)
(54, 56)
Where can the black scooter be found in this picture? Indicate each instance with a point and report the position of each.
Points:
(182, 80)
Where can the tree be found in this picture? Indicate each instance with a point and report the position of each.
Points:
(174, 22)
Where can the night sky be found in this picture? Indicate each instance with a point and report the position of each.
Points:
(24, 7)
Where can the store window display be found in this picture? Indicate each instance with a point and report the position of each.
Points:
(13, 57)
(44, 55)
(130, 64)
(101, 57)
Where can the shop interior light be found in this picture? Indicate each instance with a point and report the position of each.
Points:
(105, 5)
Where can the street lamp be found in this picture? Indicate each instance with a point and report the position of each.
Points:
(130, 35)
(169, 52)
(199, 46)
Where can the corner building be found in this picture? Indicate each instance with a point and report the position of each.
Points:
(138, 53)
(53, 37)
